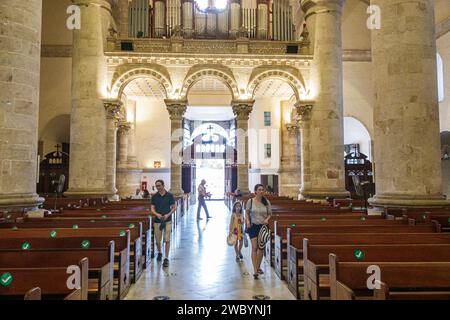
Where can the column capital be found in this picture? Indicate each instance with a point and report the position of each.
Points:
(320, 6)
(176, 108)
(242, 108)
(304, 109)
(291, 127)
(113, 108)
(124, 127)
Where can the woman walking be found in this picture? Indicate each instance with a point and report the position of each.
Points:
(257, 212)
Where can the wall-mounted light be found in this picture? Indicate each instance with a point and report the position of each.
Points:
(156, 164)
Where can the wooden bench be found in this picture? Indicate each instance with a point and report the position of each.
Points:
(399, 280)
(51, 281)
(344, 226)
(68, 238)
(101, 264)
(316, 258)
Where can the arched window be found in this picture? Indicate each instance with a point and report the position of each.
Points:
(440, 80)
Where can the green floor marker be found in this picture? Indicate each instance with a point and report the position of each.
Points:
(424, 217)
(6, 279)
(448, 220)
(131, 226)
(323, 219)
(359, 255)
(14, 228)
(293, 225)
(53, 234)
(75, 226)
(92, 221)
(363, 218)
(104, 217)
(8, 216)
(26, 246)
(122, 233)
(85, 244)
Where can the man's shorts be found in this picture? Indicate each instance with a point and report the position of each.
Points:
(167, 231)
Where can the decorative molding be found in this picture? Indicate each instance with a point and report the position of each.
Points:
(443, 28)
(56, 51)
(242, 109)
(357, 55)
(153, 170)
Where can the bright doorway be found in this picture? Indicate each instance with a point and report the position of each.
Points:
(213, 171)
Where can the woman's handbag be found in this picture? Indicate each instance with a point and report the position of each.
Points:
(263, 237)
(231, 239)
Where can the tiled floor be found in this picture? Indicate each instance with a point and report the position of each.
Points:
(203, 266)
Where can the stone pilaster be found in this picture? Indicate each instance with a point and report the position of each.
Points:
(87, 120)
(20, 48)
(242, 110)
(304, 110)
(406, 113)
(124, 130)
(290, 156)
(327, 123)
(176, 109)
(112, 108)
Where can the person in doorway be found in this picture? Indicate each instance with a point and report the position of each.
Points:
(258, 211)
(162, 206)
(137, 195)
(237, 228)
(202, 194)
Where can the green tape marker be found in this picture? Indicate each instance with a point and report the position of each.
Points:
(424, 217)
(104, 217)
(323, 219)
(122, 233)
(75, 226)
(359, 255)
(6, 279)
(85, 244)
(92, 221)
(131, 226)
(14, 228)
(53, 234)
(8, 216)
(293, 225)
(363, 218)
(26, 246)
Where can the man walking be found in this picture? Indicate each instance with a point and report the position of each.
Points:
(202, 194)
(163, 206)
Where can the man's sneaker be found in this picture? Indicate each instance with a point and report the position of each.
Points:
(159, 257)
(166, 263)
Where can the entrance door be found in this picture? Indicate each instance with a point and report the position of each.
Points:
(213, 171)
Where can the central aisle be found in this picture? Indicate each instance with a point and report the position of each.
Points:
(203, 266)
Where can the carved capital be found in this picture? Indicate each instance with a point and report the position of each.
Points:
(304, 109)
(321, 6)
(113, 108)
(242, 108)
(176, 108)
(291, 128)
(124, 127)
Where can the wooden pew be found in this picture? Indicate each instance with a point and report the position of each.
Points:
(295, 246)
(147, 227)
(316, 258)
(136, 264)
(52, 282)
(399, 280)
(344, 226)
(39, 238)
(81, 223)
(101, 264)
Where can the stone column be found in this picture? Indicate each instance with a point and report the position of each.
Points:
(176, 109)
(132, 158)
(89, 84)
(122, 18)
(20, 48)
(242, 110)
(124, 129)
(290, 154)
(304, 110)
(406, 113)
(327, 121)
(112, 108)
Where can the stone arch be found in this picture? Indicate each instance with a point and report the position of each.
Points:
(125, 75)
(291, 77)
(222, 73)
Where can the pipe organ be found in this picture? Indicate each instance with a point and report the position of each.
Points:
(213, 19)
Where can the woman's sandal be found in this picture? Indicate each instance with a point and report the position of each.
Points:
(260, 271)
(255, 276)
